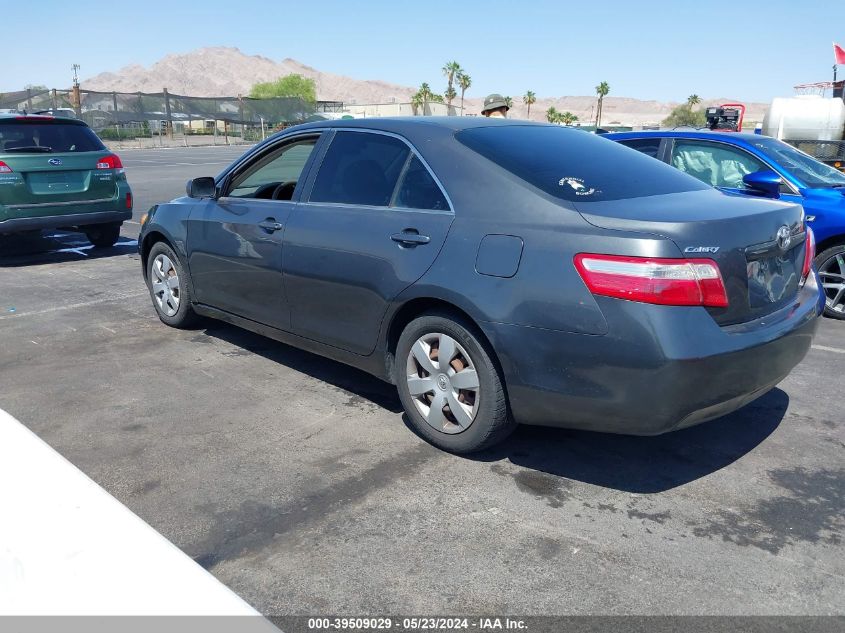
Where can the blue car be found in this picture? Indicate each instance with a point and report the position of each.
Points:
(742, 163)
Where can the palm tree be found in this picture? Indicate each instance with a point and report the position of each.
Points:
(509, 102)
(552, 115)
(451, 70)
(422, 97)
(425, 94)
(450, 94)
(416, 102)
(529, 99)
(693, 100)
(602, 91)
(464, 81)
(567, 118)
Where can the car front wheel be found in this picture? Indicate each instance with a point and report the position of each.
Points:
(449, 385)
(831, 267)
(169, 290)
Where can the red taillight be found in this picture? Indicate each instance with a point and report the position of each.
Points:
(677, 282)
(4, 168)
(112, 161)
(129, 200)
(809, 254)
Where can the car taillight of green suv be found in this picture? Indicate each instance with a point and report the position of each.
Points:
(55, 173)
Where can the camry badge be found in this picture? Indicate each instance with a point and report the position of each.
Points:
(55, 161)
(784, 238)
(701, 249)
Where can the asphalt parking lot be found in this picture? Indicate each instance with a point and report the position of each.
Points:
(295, 481)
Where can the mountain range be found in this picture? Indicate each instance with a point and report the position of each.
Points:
(225, 71)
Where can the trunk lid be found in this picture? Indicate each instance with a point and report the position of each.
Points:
(50, 178)
(745, 237)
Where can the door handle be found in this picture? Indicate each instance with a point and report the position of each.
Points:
(271, 225)
(410, 238)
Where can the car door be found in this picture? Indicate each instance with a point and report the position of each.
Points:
(235, 241)
(373, 223)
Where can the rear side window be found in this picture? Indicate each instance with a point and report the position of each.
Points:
(418, 190)
(360, 168)
(648, 146)
(19, 136)
(574, 165)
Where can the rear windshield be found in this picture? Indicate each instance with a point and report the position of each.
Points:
(574, 165)
(22, 137)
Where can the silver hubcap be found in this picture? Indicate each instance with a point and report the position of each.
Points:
(443, 383)
(165, 285)
(832, 274)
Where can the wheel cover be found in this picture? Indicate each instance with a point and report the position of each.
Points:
(165, 285)
(832, 273)
(443, 383)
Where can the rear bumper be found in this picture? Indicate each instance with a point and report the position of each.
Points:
(658, 369)
(70, 220)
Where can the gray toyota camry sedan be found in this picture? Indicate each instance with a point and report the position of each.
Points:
(497, 272)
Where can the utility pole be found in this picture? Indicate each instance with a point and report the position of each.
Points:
(76, 97)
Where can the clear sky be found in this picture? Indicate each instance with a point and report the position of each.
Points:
(752, 50)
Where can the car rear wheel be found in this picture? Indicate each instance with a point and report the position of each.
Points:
(450, 386)
(169, 290)
(831, 267)
(103, 235)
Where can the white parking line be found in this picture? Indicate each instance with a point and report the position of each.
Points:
(72, 306)
(825, 348)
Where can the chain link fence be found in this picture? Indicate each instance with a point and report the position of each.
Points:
(149, 119)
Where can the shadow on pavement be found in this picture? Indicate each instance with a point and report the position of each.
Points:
(354, 381)
(32, 249)
(628, 463)
(643, 464)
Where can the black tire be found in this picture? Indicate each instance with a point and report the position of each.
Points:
(185, 317)
(821, 259)
(492, 422)
(103, 235)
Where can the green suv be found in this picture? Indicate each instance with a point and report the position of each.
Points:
(55, 173)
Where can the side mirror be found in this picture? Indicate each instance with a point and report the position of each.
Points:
(763, 183)
(203, 187)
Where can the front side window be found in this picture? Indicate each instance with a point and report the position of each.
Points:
(273, 176)
(360, 168)
(716, 164)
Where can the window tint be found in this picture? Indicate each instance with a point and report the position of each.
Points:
(648, 146)
(716, 164)
(360, 168)
(575, 165)
(418, 190)
(265, 178)
(23, 136)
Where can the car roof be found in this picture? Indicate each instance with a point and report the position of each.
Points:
(40, 118)
(702, 134)
(404, 124)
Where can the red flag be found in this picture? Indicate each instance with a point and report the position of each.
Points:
(838, 54)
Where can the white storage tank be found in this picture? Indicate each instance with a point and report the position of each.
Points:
(805, 117)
